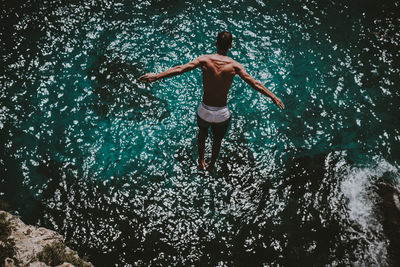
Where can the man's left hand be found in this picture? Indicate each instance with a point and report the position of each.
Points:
(278, 102)
(149, 77)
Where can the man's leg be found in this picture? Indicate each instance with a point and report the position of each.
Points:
(201, 144)
(216, 147)
(201, 140)
(219, 131)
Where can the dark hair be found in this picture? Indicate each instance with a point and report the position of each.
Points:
(224, 40)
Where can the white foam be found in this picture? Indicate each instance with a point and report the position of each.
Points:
(356, 187)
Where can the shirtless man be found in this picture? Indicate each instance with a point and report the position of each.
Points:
(218, 72)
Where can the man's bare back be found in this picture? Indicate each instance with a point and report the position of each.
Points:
(218, 73)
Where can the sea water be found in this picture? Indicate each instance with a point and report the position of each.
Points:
(110, 162)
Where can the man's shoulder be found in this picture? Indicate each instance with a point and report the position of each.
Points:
(236, 64)
(206, 56)
(203, 58)
(212, 56)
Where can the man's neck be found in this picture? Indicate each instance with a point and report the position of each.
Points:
(222, 52)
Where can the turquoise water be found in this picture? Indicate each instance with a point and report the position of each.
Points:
(109, 162)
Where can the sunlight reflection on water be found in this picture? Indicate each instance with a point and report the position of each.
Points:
(110, 162)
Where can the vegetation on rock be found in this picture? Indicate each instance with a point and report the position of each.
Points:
(6, 244)
(55, 254)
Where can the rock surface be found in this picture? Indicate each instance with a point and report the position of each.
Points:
(29, 241)
(389, 208)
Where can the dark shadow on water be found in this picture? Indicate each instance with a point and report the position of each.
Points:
(115, 86)
(309, 233)
(15, 192)
(388, 207)
(312, 234)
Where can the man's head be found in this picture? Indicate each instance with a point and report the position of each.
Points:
(224, 41)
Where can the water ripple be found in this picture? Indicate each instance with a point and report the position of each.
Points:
(109, 162)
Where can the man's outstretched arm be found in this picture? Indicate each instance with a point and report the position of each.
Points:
(152, 77)
(258, 86)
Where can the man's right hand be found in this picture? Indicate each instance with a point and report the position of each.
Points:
(149, 77)
(278, 102)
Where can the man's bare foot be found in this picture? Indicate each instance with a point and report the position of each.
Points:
(202, 164)
(210, 168)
